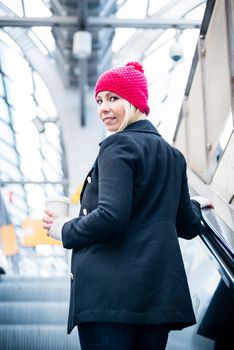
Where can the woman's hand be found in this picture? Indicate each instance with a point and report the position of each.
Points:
(48, 220)
(204, 202)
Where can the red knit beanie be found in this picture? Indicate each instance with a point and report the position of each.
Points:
(129, 82)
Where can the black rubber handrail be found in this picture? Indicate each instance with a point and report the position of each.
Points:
(220, 250)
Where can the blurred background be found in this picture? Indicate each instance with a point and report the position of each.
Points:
(49, 128)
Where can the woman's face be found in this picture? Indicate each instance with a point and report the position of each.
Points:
(111, 109)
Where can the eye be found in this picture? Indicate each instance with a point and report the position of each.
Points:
(114, 98)
(99, 101)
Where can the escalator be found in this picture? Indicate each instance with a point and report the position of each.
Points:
(218, 321)
(209, 262)
(33, 313)
(219, 239)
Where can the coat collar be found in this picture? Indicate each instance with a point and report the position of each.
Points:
(144, 126)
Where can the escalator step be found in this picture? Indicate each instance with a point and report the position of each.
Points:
(33, 312)
(37, 337)
(32, 279)
(36, 291)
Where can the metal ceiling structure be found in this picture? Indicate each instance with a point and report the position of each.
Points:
(101, 39)
(97, 17)
(80, 71)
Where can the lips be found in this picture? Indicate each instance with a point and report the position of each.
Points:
(108, 120)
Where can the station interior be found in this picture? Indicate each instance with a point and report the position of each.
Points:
(51, 55)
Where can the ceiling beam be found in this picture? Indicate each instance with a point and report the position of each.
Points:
(82, 14)
(146, 23)
(99, 22)
(82, 8)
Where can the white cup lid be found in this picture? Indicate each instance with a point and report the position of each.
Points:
(58, 199)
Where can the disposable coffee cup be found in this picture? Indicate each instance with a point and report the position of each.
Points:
(58, 205)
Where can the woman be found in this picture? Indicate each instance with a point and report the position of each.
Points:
(129, 287)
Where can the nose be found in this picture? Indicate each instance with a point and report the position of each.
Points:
(104, 107)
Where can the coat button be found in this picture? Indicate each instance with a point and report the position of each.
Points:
(89, 179)
(85, 211)
(72, 276)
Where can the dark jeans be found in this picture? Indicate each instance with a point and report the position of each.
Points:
(118, 336)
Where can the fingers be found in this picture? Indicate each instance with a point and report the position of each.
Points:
(209, 205)
(47, 227)
(50, 213)
(48, 220)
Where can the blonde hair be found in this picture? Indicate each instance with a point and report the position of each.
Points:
(132, 114)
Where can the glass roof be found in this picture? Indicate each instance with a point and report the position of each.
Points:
(27, 156)
(167, 78)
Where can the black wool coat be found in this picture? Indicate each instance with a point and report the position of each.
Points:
(126, 261)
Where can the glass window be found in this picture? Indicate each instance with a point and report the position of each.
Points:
(17, 68)
(28, 159)
(36, 207)
(226, 132)
(18, 202)
(43, 38)
(6, 40)
(188, 40)
(155, 6)
(28, 140)
(130, 10)
(43, 97)
(167, 79)
(14, 5)
(53, 131)
(158, 62)
(30, 169)
(8, 152)
(50, 152)
(4, 113)
(52, 136)
(196, 13)
(26, 107)
(54, 189)
(36, 8)
(21, 124)
(2, 93)
(20, 99)
(27, 147)
(6, 133)
(41, 46)
(17, 214)
(51, 172)
(41, 113)
(9, 171)
(17, 192)
(121, 37)
(161, 40)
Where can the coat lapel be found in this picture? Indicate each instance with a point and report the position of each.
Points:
(86, 181)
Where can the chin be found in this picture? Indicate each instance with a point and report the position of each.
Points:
(112, 129)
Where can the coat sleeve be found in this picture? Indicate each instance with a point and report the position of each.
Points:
(115, 187)
(188, 221)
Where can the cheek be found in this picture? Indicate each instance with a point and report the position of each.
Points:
(122, 114)
(99, 111)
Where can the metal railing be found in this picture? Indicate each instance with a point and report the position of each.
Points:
(219, 239)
